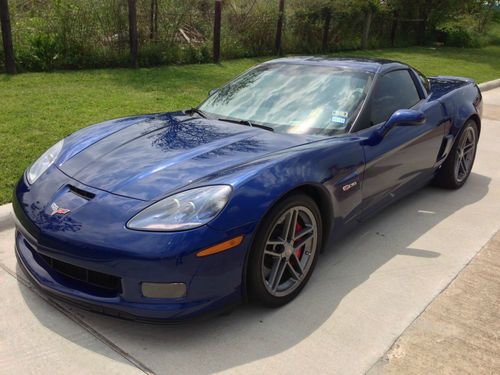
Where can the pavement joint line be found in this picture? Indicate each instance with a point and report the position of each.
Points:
(386, 351)
(127, 356)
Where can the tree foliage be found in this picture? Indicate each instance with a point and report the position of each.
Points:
(55, 34)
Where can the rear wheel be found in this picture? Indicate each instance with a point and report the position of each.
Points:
(285, 251)
(458, 165)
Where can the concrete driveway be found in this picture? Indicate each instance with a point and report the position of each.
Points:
(366, 290)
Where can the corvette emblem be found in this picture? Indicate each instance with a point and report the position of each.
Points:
(58, 210)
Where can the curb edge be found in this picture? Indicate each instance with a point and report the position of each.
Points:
(490, 85)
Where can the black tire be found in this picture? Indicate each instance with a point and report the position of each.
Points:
(258, 286)
(447, 176)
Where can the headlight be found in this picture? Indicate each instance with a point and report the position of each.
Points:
(186, 210)
(44, 162)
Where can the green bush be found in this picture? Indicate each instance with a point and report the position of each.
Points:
(458, 36)
(43, 53)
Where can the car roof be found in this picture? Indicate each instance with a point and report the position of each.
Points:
(356, 63)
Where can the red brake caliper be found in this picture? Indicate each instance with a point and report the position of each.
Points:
(298, 252)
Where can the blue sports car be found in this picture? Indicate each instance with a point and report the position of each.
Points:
(170, 215)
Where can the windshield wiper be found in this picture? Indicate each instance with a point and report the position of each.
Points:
(247, 123)
(197, 111)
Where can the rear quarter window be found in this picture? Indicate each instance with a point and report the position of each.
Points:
(425, 82)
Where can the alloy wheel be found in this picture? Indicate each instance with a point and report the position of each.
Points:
(289, 251)
(465, 154)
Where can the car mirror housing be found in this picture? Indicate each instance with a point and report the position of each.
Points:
(405, 117)
(402, 117)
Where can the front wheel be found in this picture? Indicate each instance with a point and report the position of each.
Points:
(456, 169)
(285, 251)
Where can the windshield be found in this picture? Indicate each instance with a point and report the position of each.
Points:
(300, 99)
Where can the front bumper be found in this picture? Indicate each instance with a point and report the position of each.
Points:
(102, 247)
(112, 306)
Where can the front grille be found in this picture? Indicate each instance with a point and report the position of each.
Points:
(97, 279)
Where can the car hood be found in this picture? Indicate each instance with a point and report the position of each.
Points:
(153, 156)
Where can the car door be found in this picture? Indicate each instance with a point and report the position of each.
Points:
(404, 158)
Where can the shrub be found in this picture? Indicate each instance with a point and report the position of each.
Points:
(459, 36)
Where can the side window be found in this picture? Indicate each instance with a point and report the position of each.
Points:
(393, 91)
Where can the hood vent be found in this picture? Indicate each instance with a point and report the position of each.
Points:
(81, 193)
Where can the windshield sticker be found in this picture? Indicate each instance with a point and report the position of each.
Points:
(338, 119)
(340, 114)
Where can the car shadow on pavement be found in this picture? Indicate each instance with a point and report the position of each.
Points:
(250, 332)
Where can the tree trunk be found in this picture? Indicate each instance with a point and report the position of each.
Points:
(394, 29)
(366, 29)
(422, 26)
(485, 16)
(10, 63)
(153, 20)
(132, 27)
(217, 25)
(279, 28)
(326, 30)
(156, 19)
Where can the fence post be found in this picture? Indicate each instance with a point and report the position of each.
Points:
(366, 29)
(279, 28)
(152, 16)
(326, 29)
(10, 63)
(394, 28)
(217, 22)
(132, 27)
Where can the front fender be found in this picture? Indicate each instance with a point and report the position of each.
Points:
(326, 166)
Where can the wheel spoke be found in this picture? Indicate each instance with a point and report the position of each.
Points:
(463, 165)
(307, 231)
(276, 242)
(468, 151)
(299, 264)
(292, 225)
(303, 243)
(272, 253)
(274, 272)
(468, 147)
(295, 274)
(277, 273)
(287, 225)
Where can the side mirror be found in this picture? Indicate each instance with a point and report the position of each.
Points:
(213, 91)
(403, 117)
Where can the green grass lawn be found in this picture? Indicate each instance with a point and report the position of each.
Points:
(37, 109)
